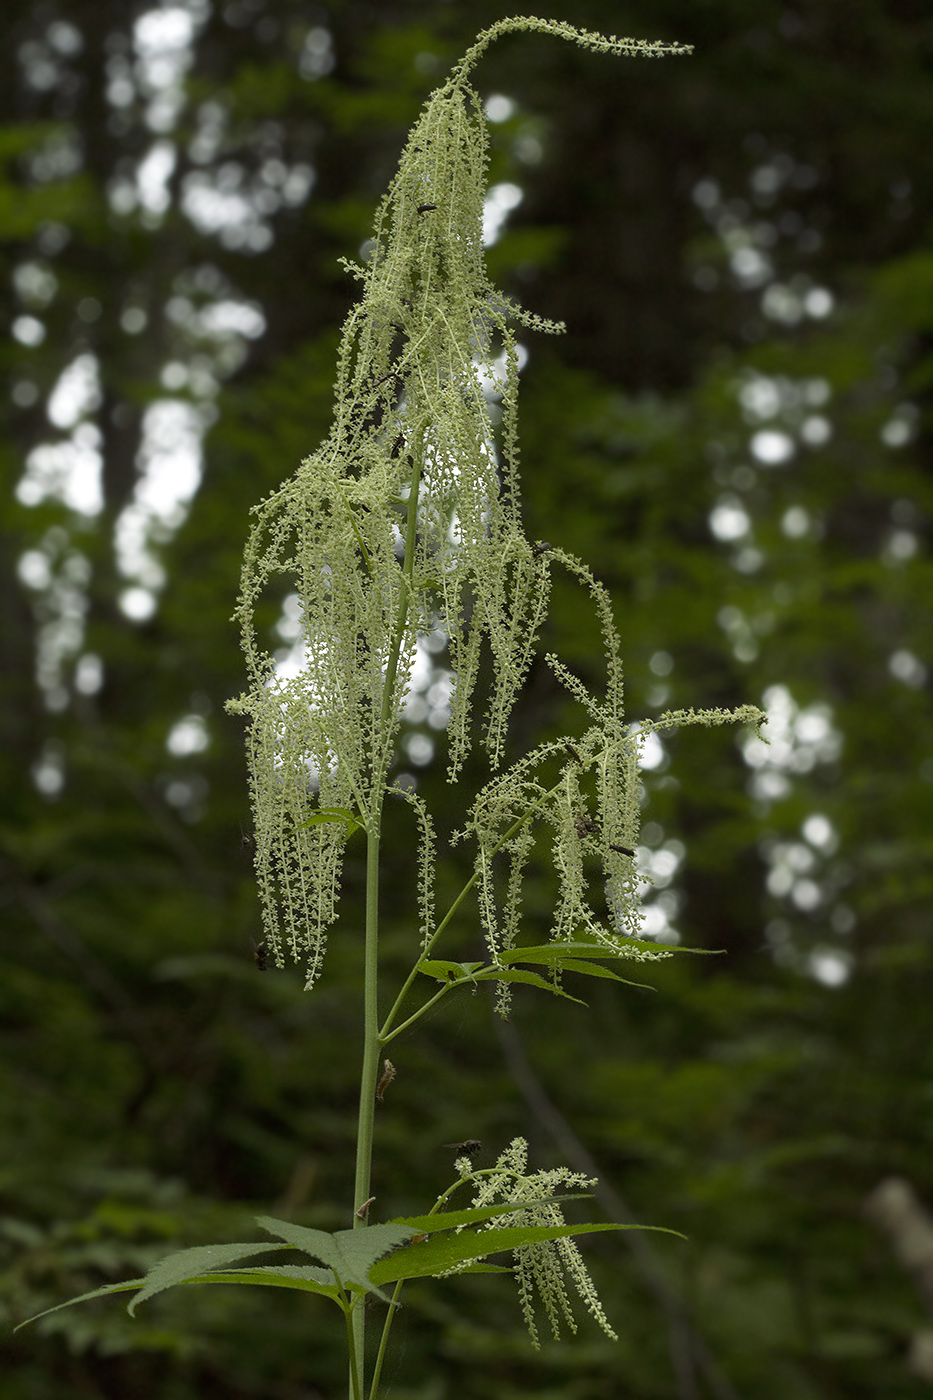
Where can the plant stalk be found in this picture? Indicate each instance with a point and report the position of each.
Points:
(371, 1038)
(384, 1341)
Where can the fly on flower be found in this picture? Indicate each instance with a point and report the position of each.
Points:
(470, 1148)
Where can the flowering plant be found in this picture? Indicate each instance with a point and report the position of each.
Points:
(405, 526)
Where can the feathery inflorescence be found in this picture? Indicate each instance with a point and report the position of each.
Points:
(546, 1266)
(406, 521)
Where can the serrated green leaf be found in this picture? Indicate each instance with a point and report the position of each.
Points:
(84, 1298)
(511, 974)
(592, 969)
(542, 952)
(434, 1255)
(474, 1215)
(304, 1277)
(350, 1253)
(556, 952)
(570, 958)
(188, 1264)
(194, 1266)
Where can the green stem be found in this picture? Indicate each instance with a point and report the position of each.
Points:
(384, 1340)
(370, 1068)
(371, 1037)
(368, 1076)
(355, 1393)
(388, 1036)
(384, 1034)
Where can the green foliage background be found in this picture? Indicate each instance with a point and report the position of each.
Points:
(682, 218)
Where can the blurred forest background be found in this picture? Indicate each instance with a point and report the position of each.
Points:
(735, 433)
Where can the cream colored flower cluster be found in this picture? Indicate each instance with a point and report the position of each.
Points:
(544, 1267)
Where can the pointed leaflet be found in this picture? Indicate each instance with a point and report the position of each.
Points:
(434, 1255)
(512, 974)
(572, 957)
(563, 955)
(188, 1264)
(84, 1298)
(181, 1267)
(620, 948)
(592, 969)
(304, 1277)
(474, 1215)
(556, 952)
(349, 1254)
(454, 974)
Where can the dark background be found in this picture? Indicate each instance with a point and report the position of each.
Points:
(734, 433)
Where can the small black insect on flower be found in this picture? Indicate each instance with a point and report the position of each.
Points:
(470, 1148)
(260, 954)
